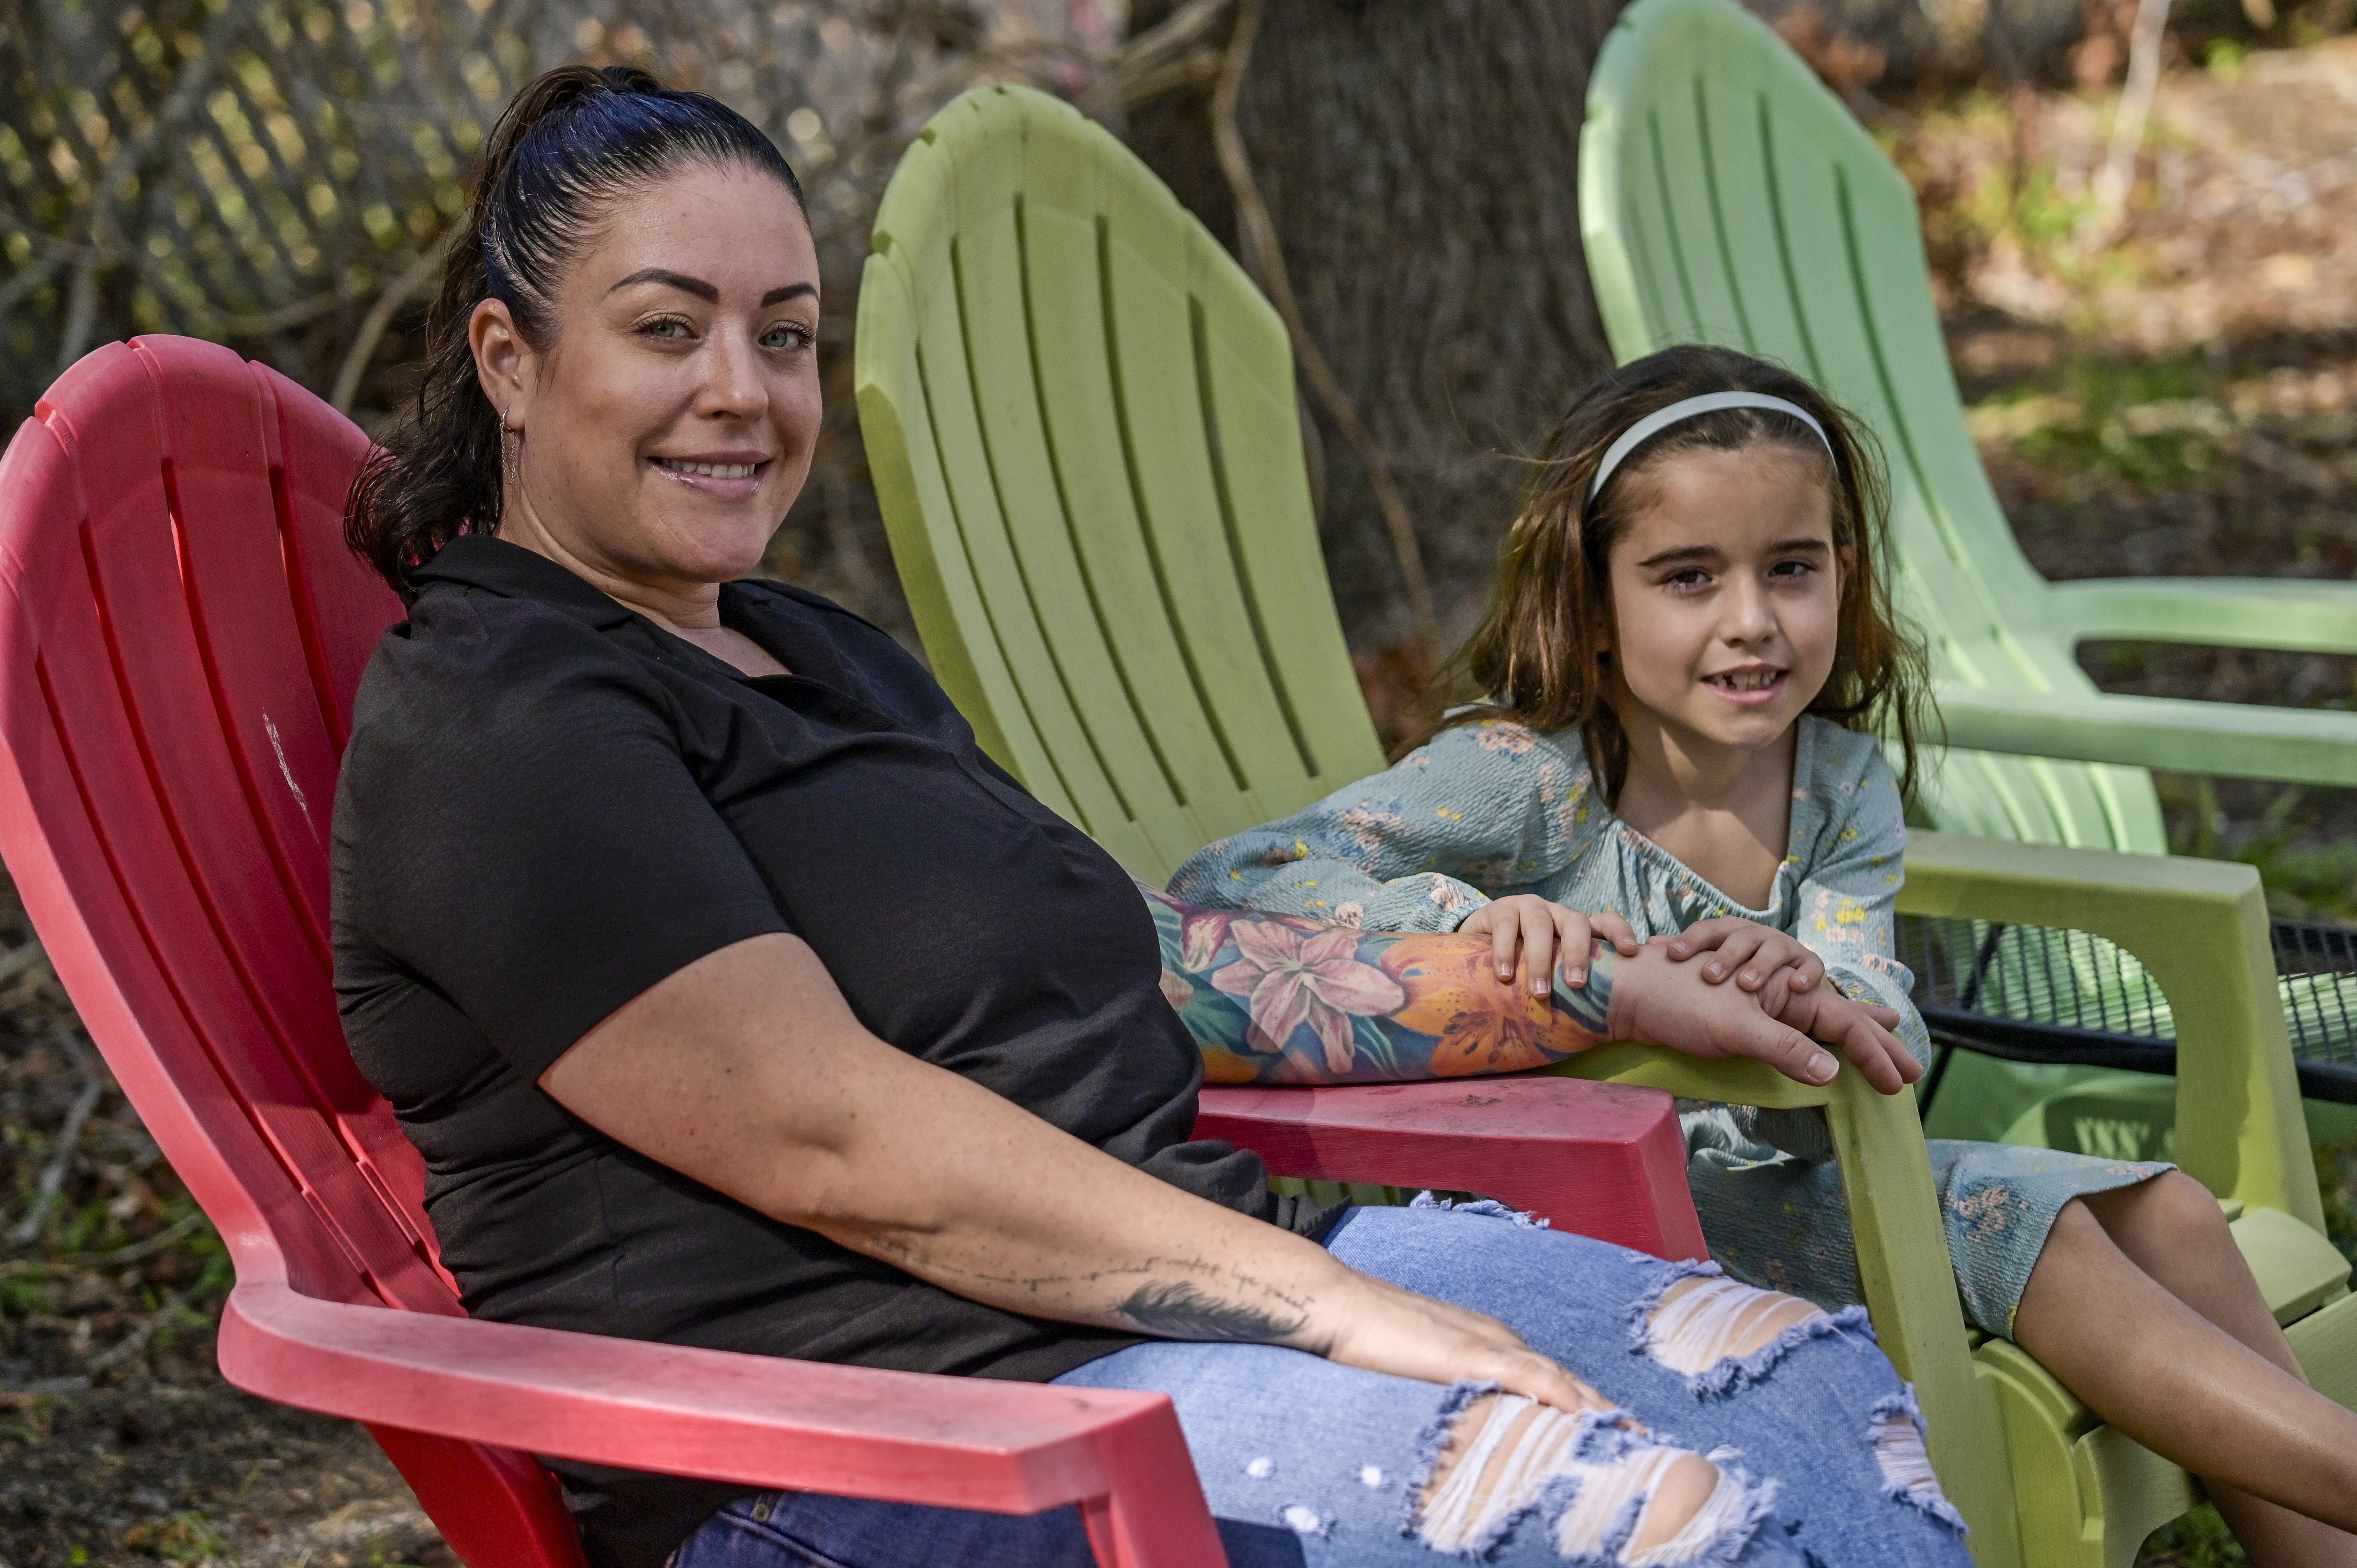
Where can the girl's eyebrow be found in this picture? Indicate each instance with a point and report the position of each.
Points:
(1685, 554)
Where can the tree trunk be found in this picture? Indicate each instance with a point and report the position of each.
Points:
(1417, 158)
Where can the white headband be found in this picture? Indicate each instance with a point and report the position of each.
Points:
(1653, 424)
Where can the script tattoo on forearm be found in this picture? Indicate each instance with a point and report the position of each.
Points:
(1178, 1309)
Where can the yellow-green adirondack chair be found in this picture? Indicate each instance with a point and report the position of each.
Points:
(1079, 416)
(1726, 197)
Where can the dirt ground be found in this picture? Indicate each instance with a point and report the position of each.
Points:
(2176, 394)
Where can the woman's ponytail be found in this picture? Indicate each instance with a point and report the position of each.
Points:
(572, 140)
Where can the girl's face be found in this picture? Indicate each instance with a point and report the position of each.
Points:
(1725, 598)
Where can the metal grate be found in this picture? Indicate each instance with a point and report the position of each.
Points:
(2037, 993)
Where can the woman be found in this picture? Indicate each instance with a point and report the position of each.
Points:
(735, 1000)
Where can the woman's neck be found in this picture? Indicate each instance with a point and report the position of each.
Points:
(1726, 813)
(689, 611)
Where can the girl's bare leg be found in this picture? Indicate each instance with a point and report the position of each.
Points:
(2141, 1304)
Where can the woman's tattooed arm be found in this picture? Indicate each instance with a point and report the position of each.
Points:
(1277, 999)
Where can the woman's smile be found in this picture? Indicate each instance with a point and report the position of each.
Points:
(724, 476)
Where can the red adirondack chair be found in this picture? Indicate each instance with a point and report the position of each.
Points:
(181, 634)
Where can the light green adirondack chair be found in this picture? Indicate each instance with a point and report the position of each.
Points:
(1079, 416)
(1726, 197)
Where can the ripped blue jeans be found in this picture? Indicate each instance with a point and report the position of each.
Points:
(1817, 1451)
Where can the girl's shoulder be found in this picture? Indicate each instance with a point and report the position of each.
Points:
(1842, 776)
(1836, 755)
(1489, 741)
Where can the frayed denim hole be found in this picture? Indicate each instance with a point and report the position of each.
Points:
(1505, 1471)
(1721, 1527)
(1578, 1494)
(1728, 1519)
(1730, 1375)
(1698, 1331)
(1640, 1313)
(1603, 1441)
(1894, 1430)
(1489, 1207)
(1432, 1442)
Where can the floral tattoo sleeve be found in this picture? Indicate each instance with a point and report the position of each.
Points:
(1278, 999)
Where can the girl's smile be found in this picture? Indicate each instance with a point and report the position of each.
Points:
(1751, 684)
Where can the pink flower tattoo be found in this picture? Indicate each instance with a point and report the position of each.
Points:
(1287, 980)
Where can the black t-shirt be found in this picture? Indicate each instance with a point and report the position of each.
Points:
(550, 803)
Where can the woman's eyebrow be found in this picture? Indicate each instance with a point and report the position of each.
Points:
(696, 287)
(779, 295)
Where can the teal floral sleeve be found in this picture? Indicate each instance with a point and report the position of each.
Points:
(1482, 811)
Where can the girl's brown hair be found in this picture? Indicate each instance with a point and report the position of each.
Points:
(1542, 656)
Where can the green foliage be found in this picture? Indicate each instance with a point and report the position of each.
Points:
(2308, 876)
(183, 1537)
(2145, 422)
(2226, 59)
(2336, 1175)
(2200, 1539)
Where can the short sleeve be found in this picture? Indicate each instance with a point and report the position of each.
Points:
(521, 831)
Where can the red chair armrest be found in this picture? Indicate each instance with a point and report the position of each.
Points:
(968, 1443)
(1601, 1159)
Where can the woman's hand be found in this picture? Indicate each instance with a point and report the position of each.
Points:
(1542, 929)
(1759, 952)
(1382, 1328)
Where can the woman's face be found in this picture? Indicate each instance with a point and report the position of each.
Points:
(668, 425)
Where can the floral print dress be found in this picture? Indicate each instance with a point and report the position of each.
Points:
(1491, 808)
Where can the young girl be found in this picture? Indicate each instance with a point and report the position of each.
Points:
(1690, 661)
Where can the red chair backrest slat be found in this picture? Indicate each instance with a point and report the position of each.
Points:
(181, 634)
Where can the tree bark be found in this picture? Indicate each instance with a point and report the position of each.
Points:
(1417, 157)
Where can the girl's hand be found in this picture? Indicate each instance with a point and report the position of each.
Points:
(1542, 929)
(1861, 1029)
(1382, 1328)
(1759, 952)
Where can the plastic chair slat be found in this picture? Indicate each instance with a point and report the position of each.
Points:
(997, 312)
(116, 600)
(341, 613)
(926, 541)
(1683, 170)
(1060, 260)
(1249, 401)
(1160, 404)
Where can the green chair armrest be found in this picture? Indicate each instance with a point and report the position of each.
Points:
(2200, 927)
(2235, 740)
(2295, 613)
(1902, 1255)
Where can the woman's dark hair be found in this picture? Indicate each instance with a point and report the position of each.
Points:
(572, 142)
(1542, 656)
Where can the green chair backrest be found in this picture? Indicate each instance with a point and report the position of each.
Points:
(1071, 396)
(1726, 197)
